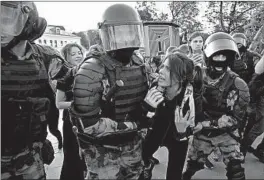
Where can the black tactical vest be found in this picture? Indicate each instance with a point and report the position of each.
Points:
(20, 79)
(215, 97)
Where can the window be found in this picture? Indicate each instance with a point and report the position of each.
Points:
(56, 43)
(65, 42)
(57, 30)
(51, 43)
(61, 43)
(45, 41)
(39, 41)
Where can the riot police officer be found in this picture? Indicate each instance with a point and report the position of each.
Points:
(243, 65)
(25, 93)
(225, 98)
(108, 89)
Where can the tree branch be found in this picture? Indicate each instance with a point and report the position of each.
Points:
(232, 13)
(221, 17)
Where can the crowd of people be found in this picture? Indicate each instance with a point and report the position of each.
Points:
(118, 109)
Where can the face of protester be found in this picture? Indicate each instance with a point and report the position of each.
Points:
(172, 88)
(196, 43)
(75, 56)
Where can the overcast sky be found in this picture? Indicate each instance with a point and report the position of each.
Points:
(79, 16)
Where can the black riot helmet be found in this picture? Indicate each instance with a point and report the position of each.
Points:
(219, 43)
(120, 28)
(20, 19)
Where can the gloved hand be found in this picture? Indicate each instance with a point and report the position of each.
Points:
(154, 97)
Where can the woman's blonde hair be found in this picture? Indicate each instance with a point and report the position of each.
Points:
(65, 51)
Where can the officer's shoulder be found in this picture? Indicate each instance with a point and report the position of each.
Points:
(48, 50)
(93, 64)
(240, 84)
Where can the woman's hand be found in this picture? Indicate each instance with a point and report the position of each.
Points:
(154, 97)
(197, 59)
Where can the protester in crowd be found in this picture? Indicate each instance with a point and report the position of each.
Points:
(154, 68)
(73, 166)
(107, 92)
(256, 87)
(174, 115)
(25, 92)
(184, 48)
(195, 42)
(225, 99)
(170, 50)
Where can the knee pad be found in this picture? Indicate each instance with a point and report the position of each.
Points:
(235, 171)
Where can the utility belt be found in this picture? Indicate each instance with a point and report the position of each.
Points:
(113, 139)
(27, 124)
(117, 138)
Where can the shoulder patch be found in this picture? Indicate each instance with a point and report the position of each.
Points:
(240, 84)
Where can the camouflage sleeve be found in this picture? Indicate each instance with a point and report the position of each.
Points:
(88, 88)
(237, 102)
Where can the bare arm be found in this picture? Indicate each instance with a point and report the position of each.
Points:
(61, 102)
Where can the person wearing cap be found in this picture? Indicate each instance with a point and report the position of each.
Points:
(108, 89)
(225, 99)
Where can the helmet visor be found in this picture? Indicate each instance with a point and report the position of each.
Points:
(220, 45)
(240, 40)
(13, 19)
(122, 36)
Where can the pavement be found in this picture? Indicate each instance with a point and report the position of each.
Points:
(253, 168)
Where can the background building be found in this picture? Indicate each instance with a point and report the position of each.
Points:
(57, 37)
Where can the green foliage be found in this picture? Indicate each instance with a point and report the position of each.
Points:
(147, 10)
(184, 13)
(84, 39)
(230, 16)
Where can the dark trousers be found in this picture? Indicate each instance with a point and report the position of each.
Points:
(177, 153)
(53, 122)
(73, 167)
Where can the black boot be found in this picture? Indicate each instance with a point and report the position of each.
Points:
(235, 171)
(192, 168)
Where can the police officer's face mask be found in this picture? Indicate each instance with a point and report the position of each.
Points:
(218, 65)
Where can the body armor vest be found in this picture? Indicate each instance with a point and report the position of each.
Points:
(215, 97)
(128, 96)
(21, 80)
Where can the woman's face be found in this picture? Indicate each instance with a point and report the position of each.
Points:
(164, 75)
(197, 43)
(75, 56)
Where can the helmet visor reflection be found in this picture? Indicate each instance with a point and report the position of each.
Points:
(220, 45)
(13, 19)
(122, 36)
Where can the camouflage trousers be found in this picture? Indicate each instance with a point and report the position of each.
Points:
(26, 165)
(202, 146)
(114, 162)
